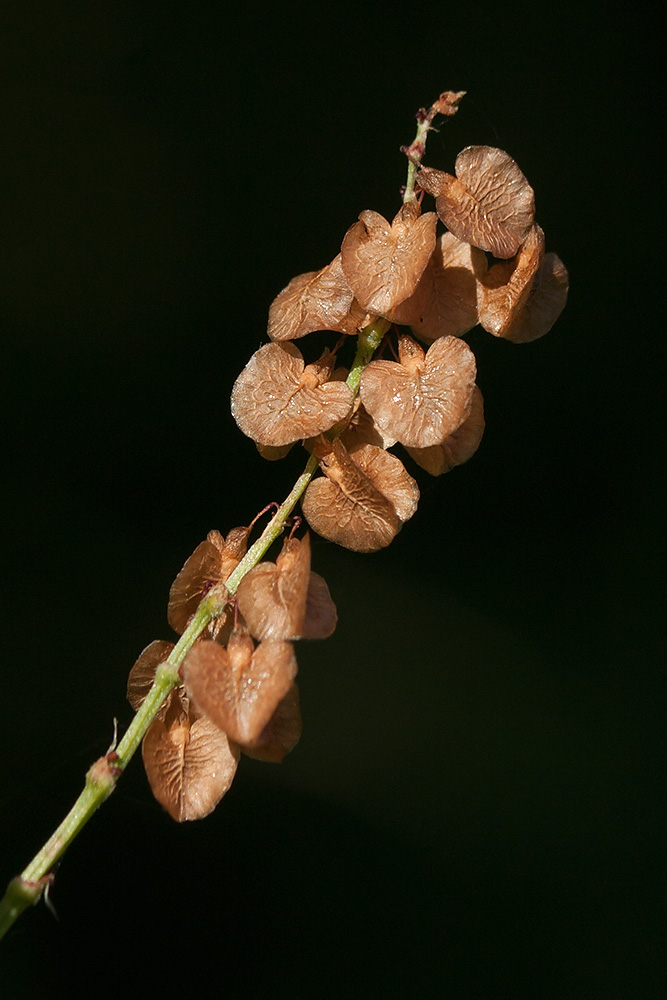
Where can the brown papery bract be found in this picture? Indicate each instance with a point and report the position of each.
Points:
(363, 498)
(277, 400)
(142, 674)
(536, 312)
(383, 263)
(284, 600)
(459, 446)
(504, 291)
(444, 303)
(424, 398)
(189, 761)
(209, 565)
(489, 203)
(281, 733)
(319, 300)
(362, 429)
(239, 688)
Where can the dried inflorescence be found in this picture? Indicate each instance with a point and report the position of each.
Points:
(488, 267)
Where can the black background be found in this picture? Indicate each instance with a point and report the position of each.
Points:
(475, 808)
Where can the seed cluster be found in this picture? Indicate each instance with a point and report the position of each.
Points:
(238, 692)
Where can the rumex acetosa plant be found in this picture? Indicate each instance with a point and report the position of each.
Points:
(228, 685)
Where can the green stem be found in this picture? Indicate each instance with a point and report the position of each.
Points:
(27, 888)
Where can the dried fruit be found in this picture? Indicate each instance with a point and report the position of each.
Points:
(277, 400)
(281, 733)
(459, 446)
(425, 397)
(189, 762)
(319, 300)
(521, 299)
(239, 688)
(209, 565)
(284, 600)
(362, 500)
(142, 674)
(382, 263)
(444, 303)
(489, 203)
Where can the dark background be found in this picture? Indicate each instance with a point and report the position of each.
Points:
(475, 808)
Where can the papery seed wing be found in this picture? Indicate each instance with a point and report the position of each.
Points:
(281, 733)
(201, 570)
(420, 407)
(321, 617)
(489, 203)
(383, 263)
(142, 674)
(239, 698)
(189, 766)
(459, 446)
(273, 406)
(319, 300)
(444, 303)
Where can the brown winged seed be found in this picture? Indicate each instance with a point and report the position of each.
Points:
(189, 762)
(281, 733)
(277, 400)
(489, 203)
(142, 673)
(424, 398)
(363, 498)
(459, 446)
(383, 263)
(444, 303)
(319, 300)
(284, 600)
(521, 299)
(239, 688)
(209, 565)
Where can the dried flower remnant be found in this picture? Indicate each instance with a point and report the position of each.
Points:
(382, 263)
(363, 499)
(489, 203)
(444, 303)
(209, 565)
(189, 761)
(459, 446)
(521, 299)
(318, 300)
(239, 688)
(281, 733)
(285, 600)
(425, 397)
(277, 400)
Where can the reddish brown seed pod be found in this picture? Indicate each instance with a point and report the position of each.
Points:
(284, 600)
(489, 203)
(239, 688)
(362, 500)
(382, 263)
(521, 299)
(189, 762)
(210, 565)
(319, 300)
(425, 397)
(281, 733)
(444, 303)
(459, 446)
(277, 400)
(142, 674)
